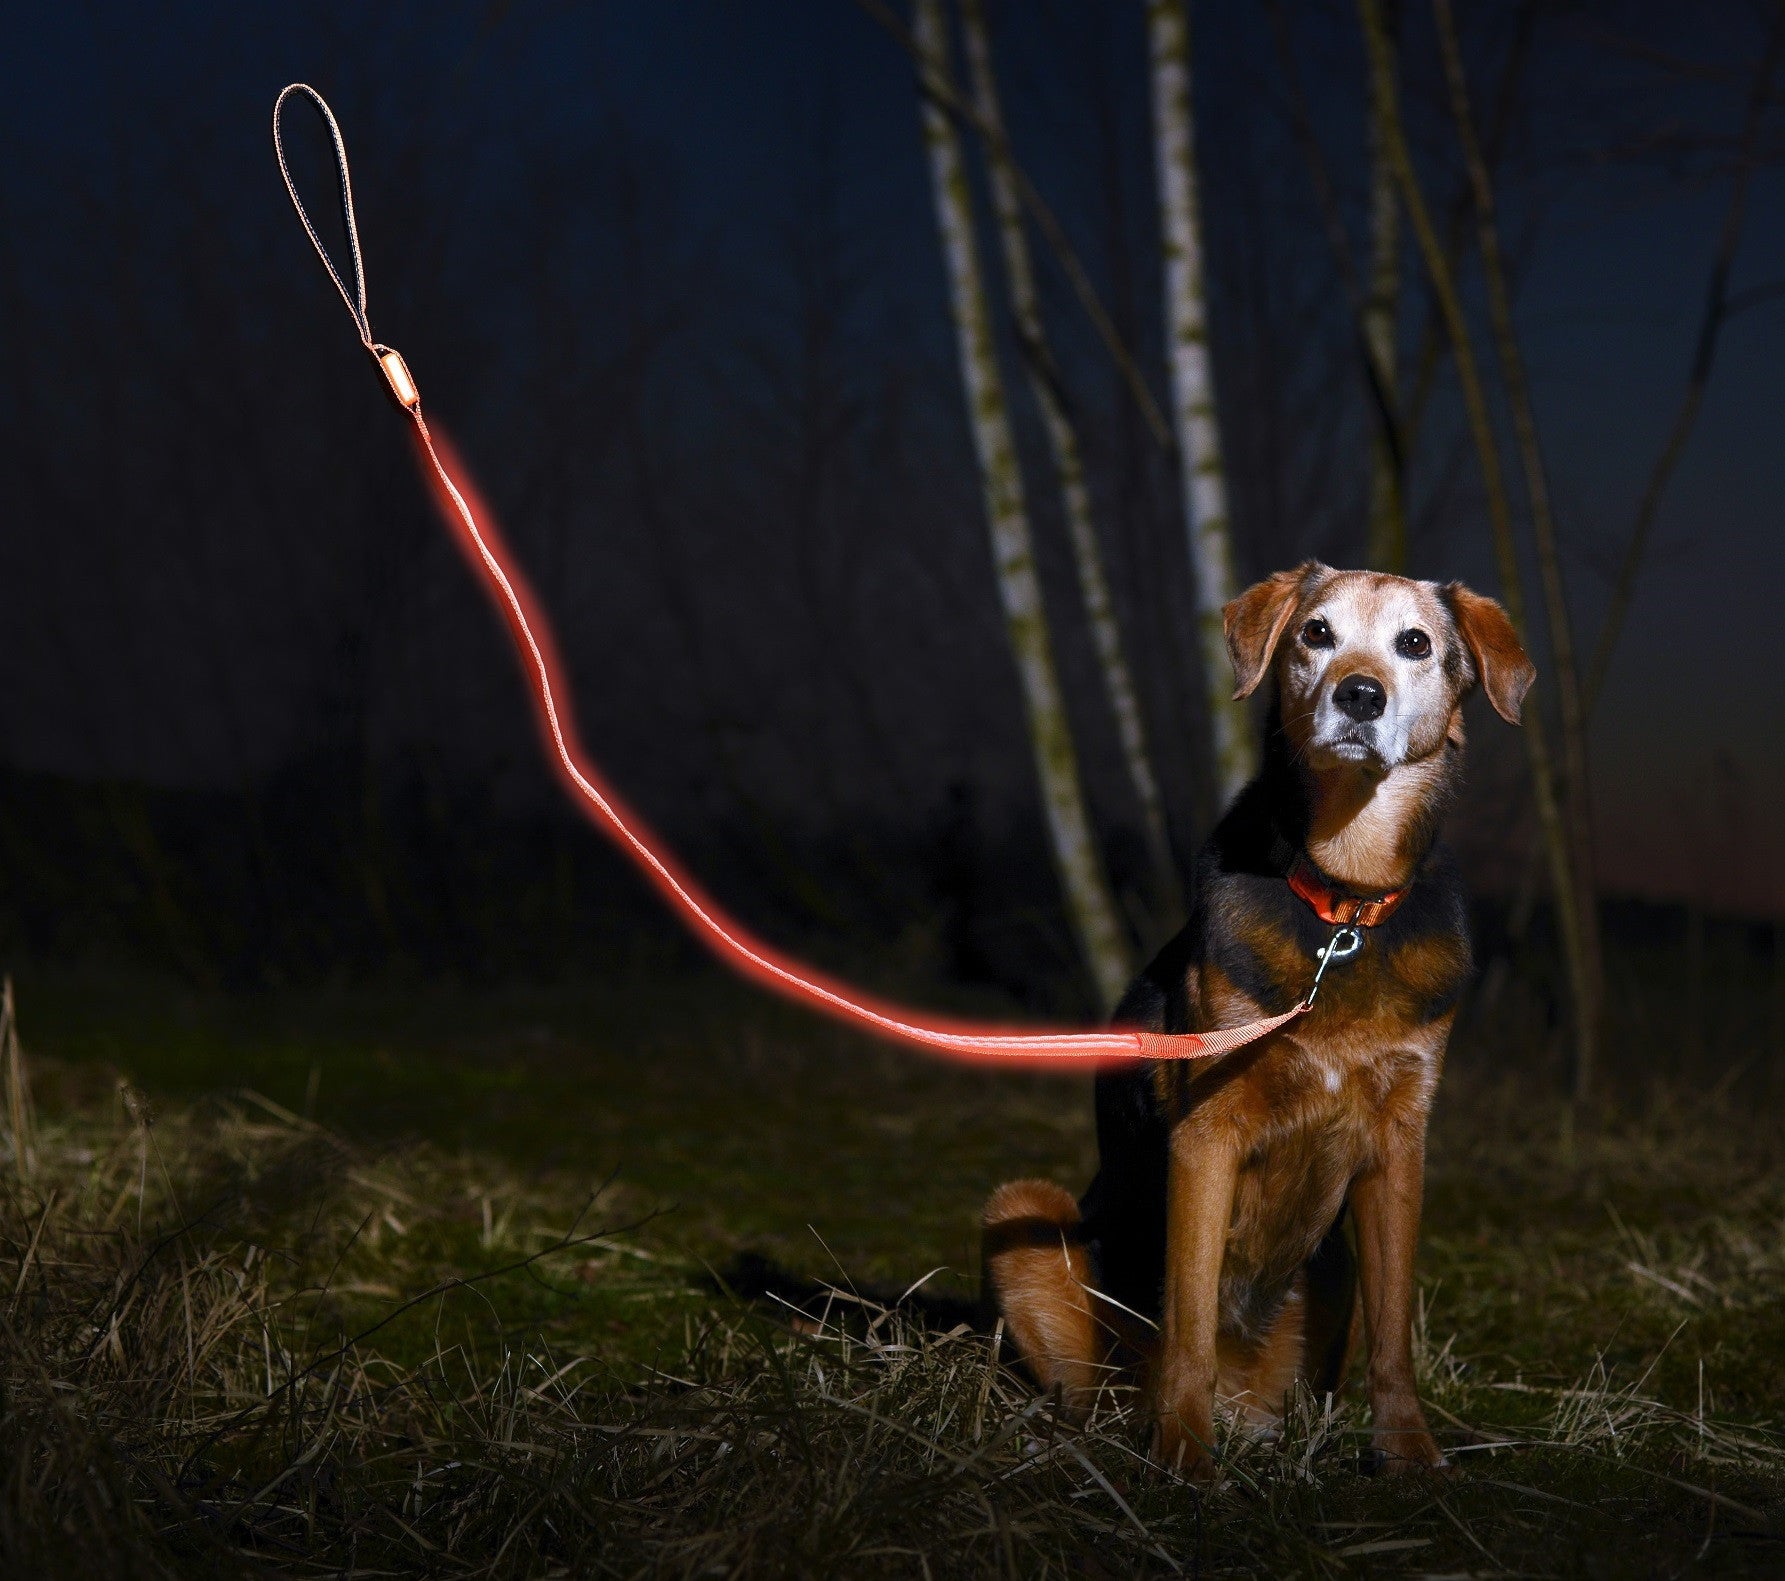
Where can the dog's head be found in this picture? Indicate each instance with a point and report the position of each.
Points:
(1372, 669)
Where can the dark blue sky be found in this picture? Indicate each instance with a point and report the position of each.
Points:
(722, 105)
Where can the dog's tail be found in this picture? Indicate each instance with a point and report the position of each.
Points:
(1038, 1270)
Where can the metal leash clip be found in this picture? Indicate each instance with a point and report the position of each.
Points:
(1345, 943)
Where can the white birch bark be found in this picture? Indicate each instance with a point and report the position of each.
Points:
(1068, 458)
(1076, 858)
(1193, 385)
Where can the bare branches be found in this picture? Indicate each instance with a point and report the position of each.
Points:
(1480, 424)
(956, 107)
(1375, 329)
(1717, 308)
(1577, 805)
(1068, 455)
(1076, 858)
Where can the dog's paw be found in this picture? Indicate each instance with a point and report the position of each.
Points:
(1183, 1452)
(1408, 1450)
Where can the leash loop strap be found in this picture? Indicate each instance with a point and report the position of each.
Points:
(734, 944)
(356, 300)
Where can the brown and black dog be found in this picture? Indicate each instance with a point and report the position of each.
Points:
(1209, 1257)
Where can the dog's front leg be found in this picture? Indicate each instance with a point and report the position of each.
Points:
(1385, 1200)
(1199, 1203)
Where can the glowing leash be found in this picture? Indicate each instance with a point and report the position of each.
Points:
(734, 944)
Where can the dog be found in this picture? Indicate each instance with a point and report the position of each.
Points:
(1209, 1257)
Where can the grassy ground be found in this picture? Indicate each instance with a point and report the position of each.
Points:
(352, 1286)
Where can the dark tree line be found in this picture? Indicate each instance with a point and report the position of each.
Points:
(258, 727)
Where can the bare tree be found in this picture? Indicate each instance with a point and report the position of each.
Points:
(1088, 896)
(1068, 456)
(1448, 300)
(1193, 384)
(945, 97)
(1710, 330)
(1576, 791)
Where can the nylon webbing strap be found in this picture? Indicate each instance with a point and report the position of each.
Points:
(729, 940)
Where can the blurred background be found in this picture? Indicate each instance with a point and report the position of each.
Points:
(672, 277)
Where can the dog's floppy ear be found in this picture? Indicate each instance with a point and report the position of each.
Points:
(1253, 623)
(1501, 662)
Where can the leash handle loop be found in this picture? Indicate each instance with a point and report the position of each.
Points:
(390, 362)
(356, 299)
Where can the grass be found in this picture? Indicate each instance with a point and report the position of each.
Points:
(351, 1287)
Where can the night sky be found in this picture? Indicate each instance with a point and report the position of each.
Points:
(635, 254)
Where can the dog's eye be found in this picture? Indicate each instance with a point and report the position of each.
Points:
(1317, 634)
(1414, 644)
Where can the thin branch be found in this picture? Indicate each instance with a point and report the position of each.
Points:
(1450, 309)
(1754, 296)
(1083, 879)
(1381, 379)
(1068, 457)
(1301, 123)
(1663, 60)
(1576, 799)
(1433, 341)
(945, 96)
(1710, 328)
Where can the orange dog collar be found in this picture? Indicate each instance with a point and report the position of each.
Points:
(1340, 910)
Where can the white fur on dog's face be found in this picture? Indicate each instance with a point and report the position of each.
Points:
(1387, 629)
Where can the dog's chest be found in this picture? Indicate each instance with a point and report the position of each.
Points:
(1318, 1103)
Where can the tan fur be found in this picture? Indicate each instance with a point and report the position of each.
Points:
(1506, 673)
(1366, 833)
(1039, 1271)
(1254, 623)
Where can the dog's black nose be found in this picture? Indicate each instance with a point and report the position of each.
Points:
(1361, 698)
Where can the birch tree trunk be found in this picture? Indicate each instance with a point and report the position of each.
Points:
(1088, 896)
(1193, 385)
(1387, 534)
(1069, 467)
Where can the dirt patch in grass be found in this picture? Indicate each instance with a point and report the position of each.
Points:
(436, 1335)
